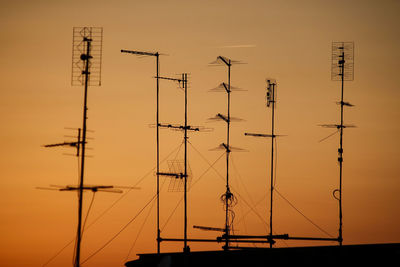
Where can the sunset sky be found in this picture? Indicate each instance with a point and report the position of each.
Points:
(289, 41)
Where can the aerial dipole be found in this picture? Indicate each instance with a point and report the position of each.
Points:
(270, 98)
(342, 69)
(157, 56)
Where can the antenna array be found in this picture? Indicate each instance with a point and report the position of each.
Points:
(342, 67)
(80, 37)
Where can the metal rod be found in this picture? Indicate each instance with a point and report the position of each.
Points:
(185, 248)
(80, 196)
(284, 236)
(271, 238)
(157, 55)
(189, 240)
(311, 238)
(272, 159)
(228, 194)
(340, 238)
(158, 155)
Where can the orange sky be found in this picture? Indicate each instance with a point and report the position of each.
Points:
(286, 40)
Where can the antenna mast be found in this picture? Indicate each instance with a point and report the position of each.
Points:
(183, 83)
(342, 70)
(270, 99)
(228, 197)
(86, 60)
(157, 56)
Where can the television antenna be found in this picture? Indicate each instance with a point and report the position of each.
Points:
(342, 69)
(270, 99)
(228, 198)
(157, 56)
(175, 166)
(86, 70)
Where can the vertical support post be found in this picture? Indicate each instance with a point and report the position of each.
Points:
(185, 247)
(158, 154)
(340, 159)
(228, 193)
(272, 160)
(86, 58)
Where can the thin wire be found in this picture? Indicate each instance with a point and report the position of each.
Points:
(255, 212)
(302, 214)
(87, 214)
(140, 230)
(241, 180)
(120, 231)
(323, 139)
(172, 213)
(58, 253)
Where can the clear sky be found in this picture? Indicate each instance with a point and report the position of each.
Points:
(286, 40)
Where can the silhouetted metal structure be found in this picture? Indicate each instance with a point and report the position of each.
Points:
(86, 71)
(183, 81)
(228, 198)
(270, 98)
(342, 69)
(87, 45)
(77, 144)
(157, 56)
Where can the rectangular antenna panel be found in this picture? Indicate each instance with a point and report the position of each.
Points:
(342, 60)
(177, 184)
(82, 36)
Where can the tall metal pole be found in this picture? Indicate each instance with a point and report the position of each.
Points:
(341, 154)
(272, 159)
(185, 248)
(228, 194)
(158, 155)
(79, 232)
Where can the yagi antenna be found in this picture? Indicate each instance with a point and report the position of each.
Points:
(157, 56)
(77, 144)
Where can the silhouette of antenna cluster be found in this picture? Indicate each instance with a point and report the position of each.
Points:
(86, 71)
(179, 174)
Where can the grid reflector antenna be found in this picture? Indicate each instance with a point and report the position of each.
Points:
(177, 183)
(87, 47)
(342, 61)
(271, 94)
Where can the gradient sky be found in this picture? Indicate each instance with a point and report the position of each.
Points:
(286, 40)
